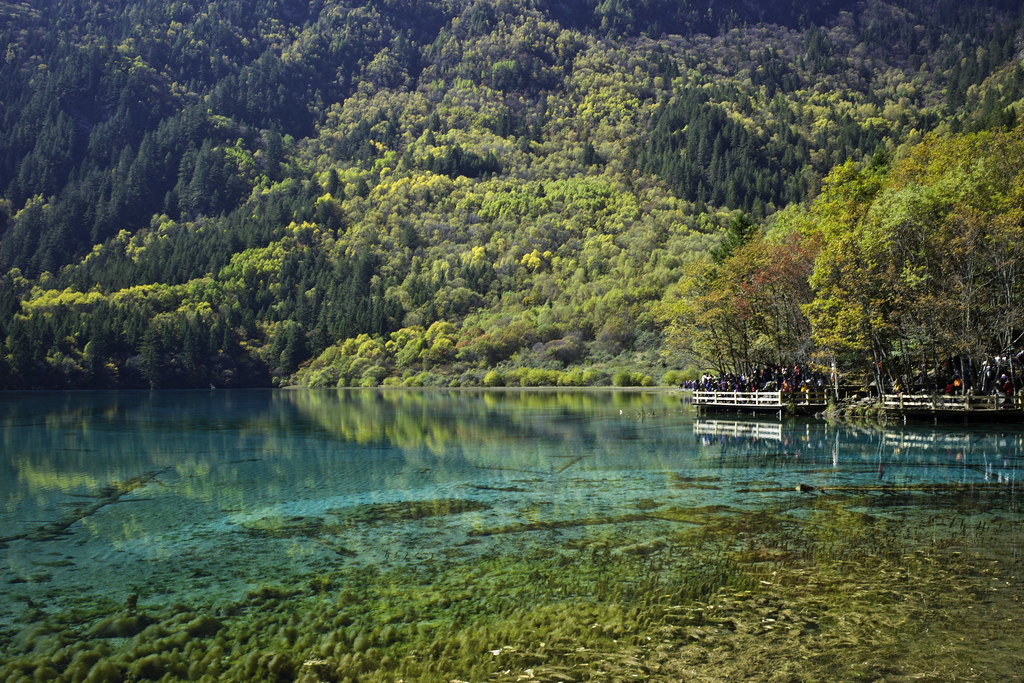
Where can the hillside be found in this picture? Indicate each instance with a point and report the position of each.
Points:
(436, 192)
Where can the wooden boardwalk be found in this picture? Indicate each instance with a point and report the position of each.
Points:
(793, 402)
(940, 407)
(907, 407)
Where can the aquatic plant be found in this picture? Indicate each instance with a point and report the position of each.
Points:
(817, 600)
(552, 568)
(400, 511)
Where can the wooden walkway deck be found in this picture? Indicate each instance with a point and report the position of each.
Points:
(907, 407)
(939, 407)
(794, 402)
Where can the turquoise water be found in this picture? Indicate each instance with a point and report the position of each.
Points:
(438, 535)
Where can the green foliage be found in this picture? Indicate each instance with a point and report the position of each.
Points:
(236, 193)
(674, 378)
(625, 378)
(746, 311)
(921, 262)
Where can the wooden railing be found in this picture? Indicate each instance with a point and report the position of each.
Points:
(937, 402)
(758, 399)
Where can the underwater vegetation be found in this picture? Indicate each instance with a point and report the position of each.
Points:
(572, 544)
(374, 513)
(818, 587)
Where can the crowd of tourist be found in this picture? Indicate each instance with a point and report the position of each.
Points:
(769, 378)
(998, 375)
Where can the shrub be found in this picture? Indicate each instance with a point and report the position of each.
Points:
(622, 379)
(415, 381)
(323, 377)
(494, 379)
(672, 378)
(690, 374)
(573, 378)
(539, 377)
(372, 376)
(625, 378)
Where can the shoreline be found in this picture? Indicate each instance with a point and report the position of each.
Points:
(543, 389)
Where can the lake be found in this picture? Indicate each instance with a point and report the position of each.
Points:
(386, 535)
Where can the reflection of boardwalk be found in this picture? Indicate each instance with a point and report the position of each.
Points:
(797, 402)
(986, 444)
(966, 408)
(924, 441)
(993, 455)
(756, 430)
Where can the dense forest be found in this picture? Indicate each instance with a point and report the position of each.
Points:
(504, 192)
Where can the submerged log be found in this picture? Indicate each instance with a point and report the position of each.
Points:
(106, 495)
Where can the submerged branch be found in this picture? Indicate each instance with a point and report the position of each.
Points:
(111, 493)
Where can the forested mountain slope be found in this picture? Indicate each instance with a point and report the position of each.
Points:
(440, 191)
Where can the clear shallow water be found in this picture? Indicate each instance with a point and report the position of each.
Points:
(490, 536)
